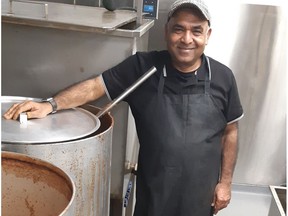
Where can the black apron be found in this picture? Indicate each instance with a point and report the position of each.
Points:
(180, 153)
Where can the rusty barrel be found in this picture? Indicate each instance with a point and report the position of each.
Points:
(86, 158)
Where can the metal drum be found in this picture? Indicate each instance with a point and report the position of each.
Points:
(34, 187)
(86, 158)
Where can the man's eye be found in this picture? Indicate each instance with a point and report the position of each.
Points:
(178, 30)
(197, 32)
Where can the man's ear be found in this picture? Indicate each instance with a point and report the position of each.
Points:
(208, 35)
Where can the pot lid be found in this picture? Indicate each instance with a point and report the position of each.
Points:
(64, 125)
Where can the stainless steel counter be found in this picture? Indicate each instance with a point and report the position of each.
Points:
(65, 16)
(74, 17)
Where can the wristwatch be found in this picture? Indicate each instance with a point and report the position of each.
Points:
(52, 102)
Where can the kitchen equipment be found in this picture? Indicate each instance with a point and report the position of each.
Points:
(148, 8)
(34, 187)
(115, 5)
(87, 159)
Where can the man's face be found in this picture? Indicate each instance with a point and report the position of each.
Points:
(186, 36)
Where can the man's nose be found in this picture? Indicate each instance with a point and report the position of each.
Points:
(187, 37)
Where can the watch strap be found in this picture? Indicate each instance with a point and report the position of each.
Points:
(52, 102)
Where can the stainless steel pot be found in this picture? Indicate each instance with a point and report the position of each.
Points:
(87, 159)
(34, 187)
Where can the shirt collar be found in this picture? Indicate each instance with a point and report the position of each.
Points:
(201, 71)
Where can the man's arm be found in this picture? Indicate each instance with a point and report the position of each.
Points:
(80, 93)
(70, 97)
(222, 194)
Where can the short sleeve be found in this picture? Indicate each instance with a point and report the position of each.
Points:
(225, 91)
(234, 110)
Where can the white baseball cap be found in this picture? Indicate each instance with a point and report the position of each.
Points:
(199, 4)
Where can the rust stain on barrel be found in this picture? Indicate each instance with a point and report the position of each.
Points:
(30, 207)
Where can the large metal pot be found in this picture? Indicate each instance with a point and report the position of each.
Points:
(33, 187)
(86, 159)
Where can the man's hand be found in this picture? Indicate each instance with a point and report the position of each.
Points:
(32, 109)
(222, 196)
(222, 193)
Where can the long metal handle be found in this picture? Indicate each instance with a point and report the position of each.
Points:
(138, 82)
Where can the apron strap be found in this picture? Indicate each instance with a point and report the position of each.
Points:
(208, 77)
(161, 81)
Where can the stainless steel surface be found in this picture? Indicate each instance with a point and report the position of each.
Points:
(252, 40)
(248, 200)
(93, 3)
(61, 126)
(87, 161)
(135, 85)
(133, 29)
(260, 69)
(65, 16)
(30, 186)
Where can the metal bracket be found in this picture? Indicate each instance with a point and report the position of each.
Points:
(29, 2)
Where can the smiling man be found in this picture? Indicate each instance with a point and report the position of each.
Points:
(186, 117)
(187, 32)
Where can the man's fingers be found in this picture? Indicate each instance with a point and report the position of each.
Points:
(31, 108)
(220, 205)
(20, 108)
(14, 111)
(9, 113)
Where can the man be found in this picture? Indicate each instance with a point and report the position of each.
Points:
(186, 117)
